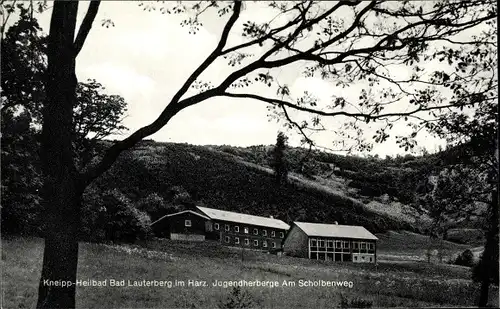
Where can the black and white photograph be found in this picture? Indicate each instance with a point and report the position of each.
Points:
(249, 154)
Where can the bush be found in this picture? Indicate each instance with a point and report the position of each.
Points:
(112, 216)
(466, 258)
(21, 215)
(20, 203)
(237, 299)
(151, 203)
(155, 206)
(92, 215)
(354, 303)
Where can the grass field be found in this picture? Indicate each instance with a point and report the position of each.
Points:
(388, 284)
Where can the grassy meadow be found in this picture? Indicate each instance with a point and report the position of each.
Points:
(391, 283)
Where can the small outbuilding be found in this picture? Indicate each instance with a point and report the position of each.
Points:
(183, 225)
(331, 242)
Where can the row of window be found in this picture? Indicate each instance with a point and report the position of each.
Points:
(246, 230)
(363, 246)
(341, 244)
(339, 257)
(247, 242)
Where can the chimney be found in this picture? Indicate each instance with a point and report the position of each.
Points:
(335, 222)
(271, 217)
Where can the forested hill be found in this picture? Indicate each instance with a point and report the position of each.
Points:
(324, 188)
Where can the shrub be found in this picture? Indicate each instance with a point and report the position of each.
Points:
(92, 215)
(21, 215)
(112, 216)
(124, 221)
(466, 258)
(20, 203)
(150, 203)
(354, 303)
(237, 299)
(154, 205)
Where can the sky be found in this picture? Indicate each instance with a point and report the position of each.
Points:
(147, 56)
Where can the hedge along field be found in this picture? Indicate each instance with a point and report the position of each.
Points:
(389, 284)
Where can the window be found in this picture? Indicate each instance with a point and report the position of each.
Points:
(227, 238)
(356, 245)
(256, 243)
(187, 222)
(282, 235)
(247, 242)
(346, 245)
(363, 245)
(321, 243)
(216, 226)
(338, 244)
(237, 240)
(236, 228)
(264, 232)
(246, 230)
(370, 246)
(227, 227)
(355, 258)
(264, 243)
(274, 244)
(273, 234)
(255, 231)
(209, 226)
(371, 259)
(313, 242)
(329, 243)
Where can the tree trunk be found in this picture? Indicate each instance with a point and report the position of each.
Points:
(57, 283)
(62, 190)
(490, 254)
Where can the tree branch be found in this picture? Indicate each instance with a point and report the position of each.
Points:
(294, 123)
(92, 172)
(386, 43)
(309, 141)
(308, 55)
(261, 63)
(263, 38)
(359, 115)
(86, 25)
(215, 53)
(5, 18)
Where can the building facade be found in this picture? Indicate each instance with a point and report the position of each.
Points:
(227, 227)
(183, 225)
(247, 231)
(331, 242)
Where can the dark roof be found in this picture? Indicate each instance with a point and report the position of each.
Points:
(180, 212)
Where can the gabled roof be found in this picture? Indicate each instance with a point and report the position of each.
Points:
(230, 216)
(181, 212)
(335, 230)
